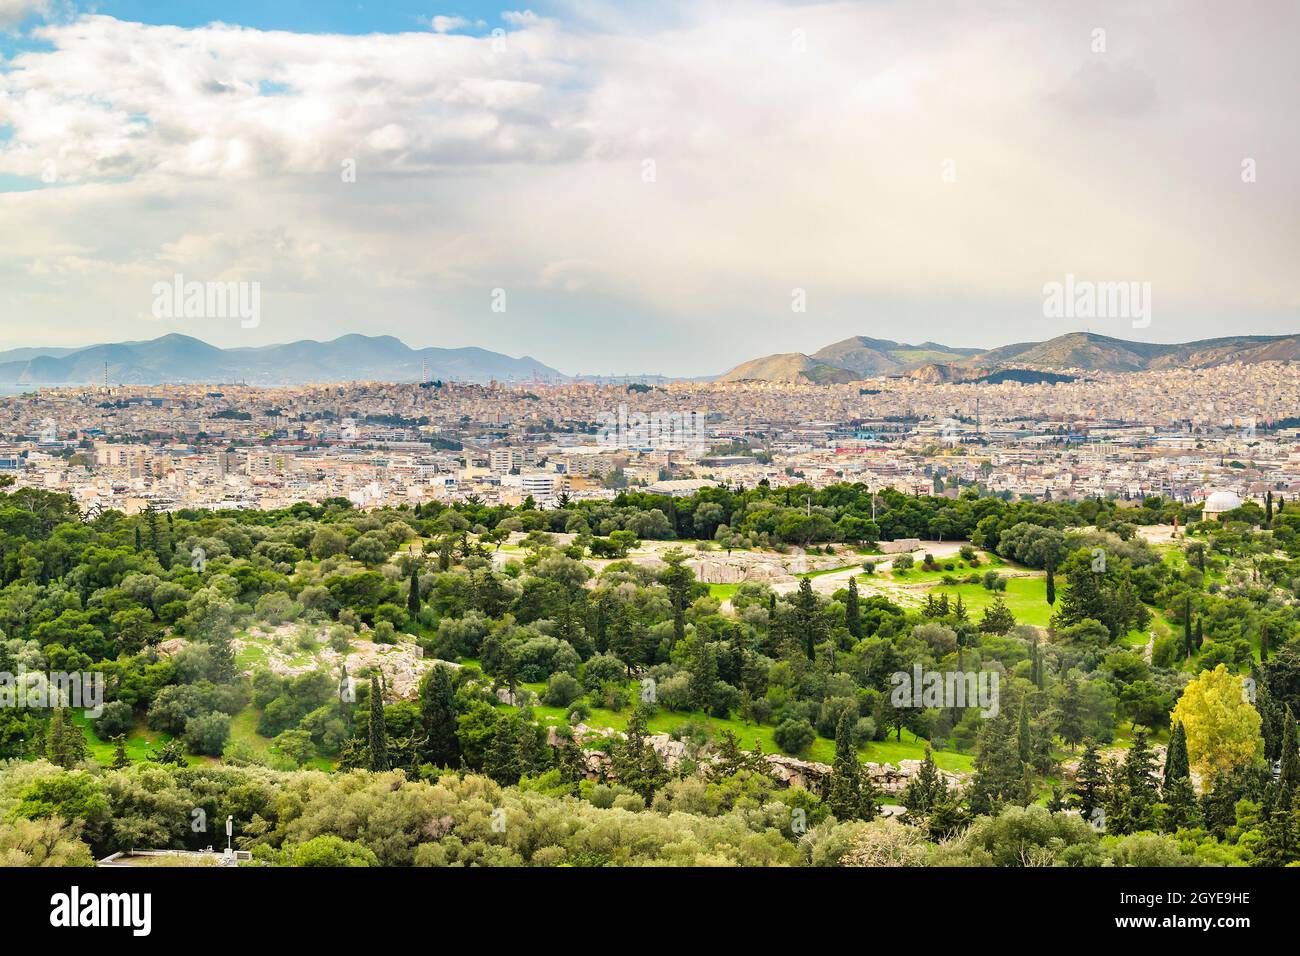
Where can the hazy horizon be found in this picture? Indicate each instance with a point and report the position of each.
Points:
(649, 191)
(920, 340)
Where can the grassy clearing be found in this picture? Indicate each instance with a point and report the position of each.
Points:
(817, 574)
(987, 562)
(822, 750)
(243, 728)
(1025, 597)
(140, 741)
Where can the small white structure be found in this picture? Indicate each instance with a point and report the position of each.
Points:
(1218, 502)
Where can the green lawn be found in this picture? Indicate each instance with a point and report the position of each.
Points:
(987, 562)
(817, 574)
(140, 742)
(722, 592)
(1025, 597)
(243, 727)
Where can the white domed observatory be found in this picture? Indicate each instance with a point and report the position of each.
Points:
(1218, 502)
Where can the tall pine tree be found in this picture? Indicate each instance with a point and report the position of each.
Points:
(1289, 776)
(438, 713)
(852, 611)
(1089, 782)
(1176, 790)
(378, 737)
(413, 594)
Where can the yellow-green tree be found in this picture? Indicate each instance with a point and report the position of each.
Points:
(1222, 726)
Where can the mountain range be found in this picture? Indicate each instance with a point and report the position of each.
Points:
(181, 358)
(860, 357)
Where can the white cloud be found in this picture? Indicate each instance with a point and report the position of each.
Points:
(217, 151)
(14, 12)
(519, 18)
(443, 24)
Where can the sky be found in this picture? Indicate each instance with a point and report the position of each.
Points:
(627, 188)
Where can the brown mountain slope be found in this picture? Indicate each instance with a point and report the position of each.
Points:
(787, 367)
(862, 357)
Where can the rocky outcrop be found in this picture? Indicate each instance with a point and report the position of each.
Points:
(789, 771)
(899, 545)
(794, 772)
(403, 665)
(741, 566)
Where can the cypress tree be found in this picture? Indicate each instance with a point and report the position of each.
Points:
(1280, 831)
(438, 713)
(806, 607)
(1200, 633)
(852, 612)
(1187, 626)
(1289, 777)
(1051, 585)
(999, 772)
(1271, 720)
(1176, 792)
(502, 762)
(1139, 792)
(843, 794)
(1069, 723)
(1176, 766)
(120, 759)
(1023, 743)
(66, 739)
(413, 594)
(378, 731)
(634, 762)
(924, 790)
(572, 764)
(54, 739)
(1089, 782)
(703, 676)
(677, 580)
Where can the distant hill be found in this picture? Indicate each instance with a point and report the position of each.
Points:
(788, 367)
(883, 357)
(182, 358)
(852, 359)
(863, 357)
